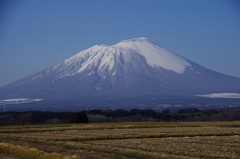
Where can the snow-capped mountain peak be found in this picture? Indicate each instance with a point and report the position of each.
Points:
(142, 39)
(104, 60)
(137, 70)
(155, 55)
(107, 56)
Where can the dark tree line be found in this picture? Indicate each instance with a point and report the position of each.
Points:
(120, 115)
(189, 114)
(138, 113)
(36, 117)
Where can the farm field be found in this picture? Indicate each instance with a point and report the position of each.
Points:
(163, 140)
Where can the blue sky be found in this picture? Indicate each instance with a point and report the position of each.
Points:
(36, 34)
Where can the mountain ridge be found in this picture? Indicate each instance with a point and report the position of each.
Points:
(131, 69)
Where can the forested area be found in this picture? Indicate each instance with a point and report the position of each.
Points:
(188, 114)
(120, 115)
(37, 117)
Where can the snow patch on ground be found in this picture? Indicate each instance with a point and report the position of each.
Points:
(114, 73)
(220, 95)
(89, 74)
(19, 100)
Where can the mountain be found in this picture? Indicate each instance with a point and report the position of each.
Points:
(135, 71)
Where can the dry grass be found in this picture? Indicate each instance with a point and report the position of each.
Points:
(182, 147)
(4, 156)
(190, 140)
(71, 134)
(30, 152)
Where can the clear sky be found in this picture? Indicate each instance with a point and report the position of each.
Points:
(36, 34)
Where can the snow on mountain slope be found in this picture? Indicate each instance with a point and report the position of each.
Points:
(155, 55)
(102, 58)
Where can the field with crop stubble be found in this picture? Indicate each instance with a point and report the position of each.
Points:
(123, 140)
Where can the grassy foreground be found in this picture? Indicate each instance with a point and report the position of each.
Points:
(164, 140)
